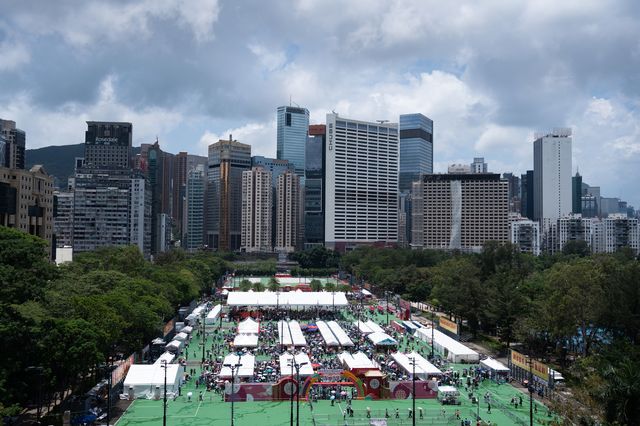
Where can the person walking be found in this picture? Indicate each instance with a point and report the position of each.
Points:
(489, 407)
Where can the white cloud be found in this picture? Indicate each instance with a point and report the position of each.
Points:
(13, 56)
(270, 59)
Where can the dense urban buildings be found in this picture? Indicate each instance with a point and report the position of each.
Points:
(223, 208)
(361, 187)
(291, 143)
(526, 194)
(183, 164)
(552, 175)
(576, 194)
(460, 211)
(257, 205)
(314, 205)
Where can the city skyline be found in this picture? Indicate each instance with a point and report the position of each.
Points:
(489, 75)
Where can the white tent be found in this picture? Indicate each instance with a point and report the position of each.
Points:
(340, 334)
(181, 337)
(174, 346)
(188, 329)
(382, 339)
(327, 334)
(147, 381)
(410, 326)
(296, 334)
(450, 348)
(357, 360)
(290, 334)
(292, 299)
(363, 327)
(424, 369)
(167, 356)
(213, 315)
(494, 365)
(249, 326)
(246, 341)
(285, 365)
(247, 365)
(375, 328)
(365, 292)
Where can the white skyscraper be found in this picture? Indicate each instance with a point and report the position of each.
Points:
(552, 175)
(361, 183)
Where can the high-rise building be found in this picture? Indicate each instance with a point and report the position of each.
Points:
(416, 149)
(288, 218)
(552, 174)
(525, 233)
(183, 163)
(314, 186)
(460, 211)
(589, 206)
(63, 218)
(193, 237)
(576, 194)
(159, 172)
(257, 207)
(526, 194)
(404, 219)
(292, 128)
(111, 208)
(108, 145)
(609, 205)
(361, 187)
(12, 145)
(26, 201)
(273, 165)
(479, 166)
(223, 208)
(514, 192)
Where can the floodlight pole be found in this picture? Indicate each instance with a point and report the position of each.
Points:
(413, 391)
(233, 368)
(298, 391)
(164, 400)
(204, 338)
(293, 361)
(386, 293)
(433, 325)
(530, 390)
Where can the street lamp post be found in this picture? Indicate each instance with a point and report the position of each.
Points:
(530, 361)
(413, 390)
(298, 391)
(234, 368)
(433, 325)
(204, 338)
(292, 361)
(164, 399)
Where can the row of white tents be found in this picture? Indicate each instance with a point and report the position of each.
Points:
(333, 334)
(290, 334)
(292, 299)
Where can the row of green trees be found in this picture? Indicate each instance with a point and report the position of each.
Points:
(572, 305)
(69, 320)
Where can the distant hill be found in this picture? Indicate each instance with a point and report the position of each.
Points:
(58, 160)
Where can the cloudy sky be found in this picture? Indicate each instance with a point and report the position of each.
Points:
(488, 73)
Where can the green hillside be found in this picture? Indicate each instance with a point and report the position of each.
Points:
(57, 160)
